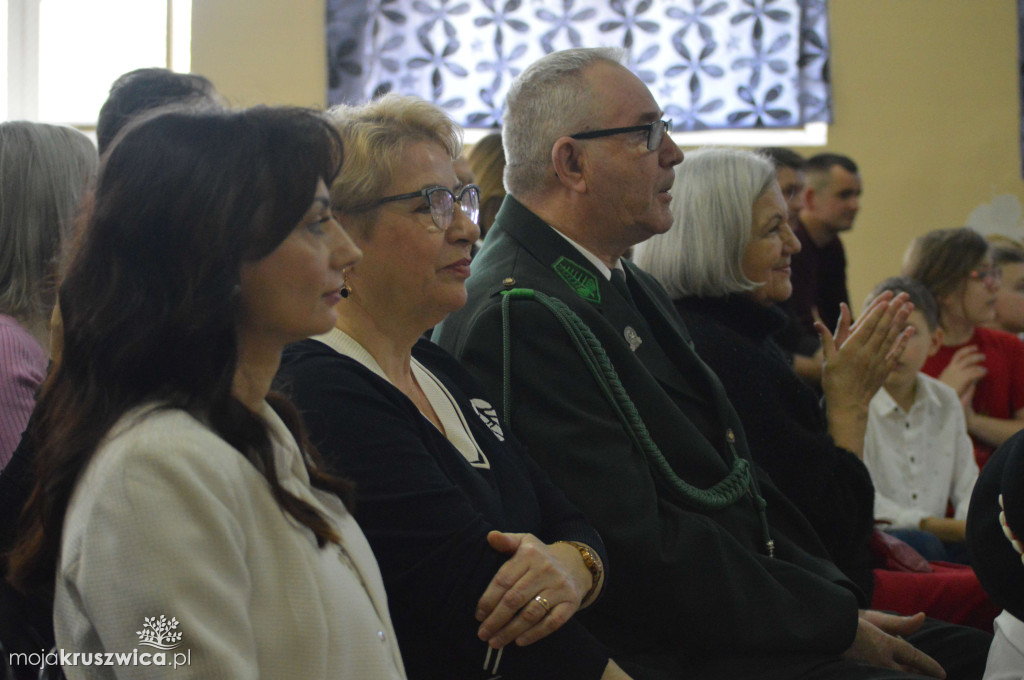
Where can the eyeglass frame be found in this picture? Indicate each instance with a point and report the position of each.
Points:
(986, 274)
(425, 193)
(666, 127)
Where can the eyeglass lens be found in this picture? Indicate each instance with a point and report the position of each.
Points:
(442, 205)
(657, 133)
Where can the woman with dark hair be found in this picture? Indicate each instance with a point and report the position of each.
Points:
(177, 503)
(485, 561)
(984, 366)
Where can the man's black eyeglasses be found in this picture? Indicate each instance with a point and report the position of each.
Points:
(655, 132)
(442, 203)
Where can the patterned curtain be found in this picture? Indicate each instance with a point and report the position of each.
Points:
(710, 63)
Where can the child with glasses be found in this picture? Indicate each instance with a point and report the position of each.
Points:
(984, 366)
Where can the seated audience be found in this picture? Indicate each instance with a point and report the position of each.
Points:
(487, 158)
(984, 366)
(482, 556)
(726, 264)
(715, 573)
(170, 483)
(1008, 256)
(44, 170)
(995, 537)
(916, 447)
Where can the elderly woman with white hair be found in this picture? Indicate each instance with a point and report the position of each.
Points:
(725, 263)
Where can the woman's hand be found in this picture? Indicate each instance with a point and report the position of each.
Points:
(513, 606)
(964, 369)
(857, 361)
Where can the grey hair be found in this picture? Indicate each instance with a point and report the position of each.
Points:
(546, 101)
(43, 172)
(712, 215)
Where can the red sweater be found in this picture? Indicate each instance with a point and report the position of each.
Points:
(1000, 393)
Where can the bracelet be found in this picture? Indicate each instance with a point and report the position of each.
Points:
(593, 563)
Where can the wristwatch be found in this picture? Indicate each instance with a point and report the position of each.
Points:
(593, 563)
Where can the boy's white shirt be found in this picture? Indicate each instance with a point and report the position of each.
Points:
(921, 459)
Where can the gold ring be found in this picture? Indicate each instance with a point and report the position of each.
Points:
(543, 602)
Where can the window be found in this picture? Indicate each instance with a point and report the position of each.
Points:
(62, 55)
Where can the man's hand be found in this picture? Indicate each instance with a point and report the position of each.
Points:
(878, 643)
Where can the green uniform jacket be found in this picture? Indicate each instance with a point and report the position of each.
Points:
(692, 593)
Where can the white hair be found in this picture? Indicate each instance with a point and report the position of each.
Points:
(546, 101)
(43, 172)
(712, 216)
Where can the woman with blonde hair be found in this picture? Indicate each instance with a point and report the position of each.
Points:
(484, 560)
(487, 159)
(44, 170)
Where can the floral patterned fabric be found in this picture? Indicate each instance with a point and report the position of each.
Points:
(710, 63)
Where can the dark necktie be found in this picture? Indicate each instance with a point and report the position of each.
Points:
(619, 281)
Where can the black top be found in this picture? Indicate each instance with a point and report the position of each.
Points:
(785, 425)
(819, 282)
(695, 594)
(426, 510)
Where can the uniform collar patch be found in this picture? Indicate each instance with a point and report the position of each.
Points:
(580, 279)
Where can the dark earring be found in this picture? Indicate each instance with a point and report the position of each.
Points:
(344, 290)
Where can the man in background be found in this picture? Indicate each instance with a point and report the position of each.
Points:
(831, 202)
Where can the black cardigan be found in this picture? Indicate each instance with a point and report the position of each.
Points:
(785, 425)
(426, 511)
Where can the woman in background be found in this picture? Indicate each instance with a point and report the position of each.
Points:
(44, 170)
(485, 561)
(175, 497)
(487, 159)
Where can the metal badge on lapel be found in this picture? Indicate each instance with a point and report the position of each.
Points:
(632, 339)
(580, 279)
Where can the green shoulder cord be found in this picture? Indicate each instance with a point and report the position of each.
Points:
(723, 494)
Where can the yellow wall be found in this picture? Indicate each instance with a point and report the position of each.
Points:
(925, 102)
(262, 51)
